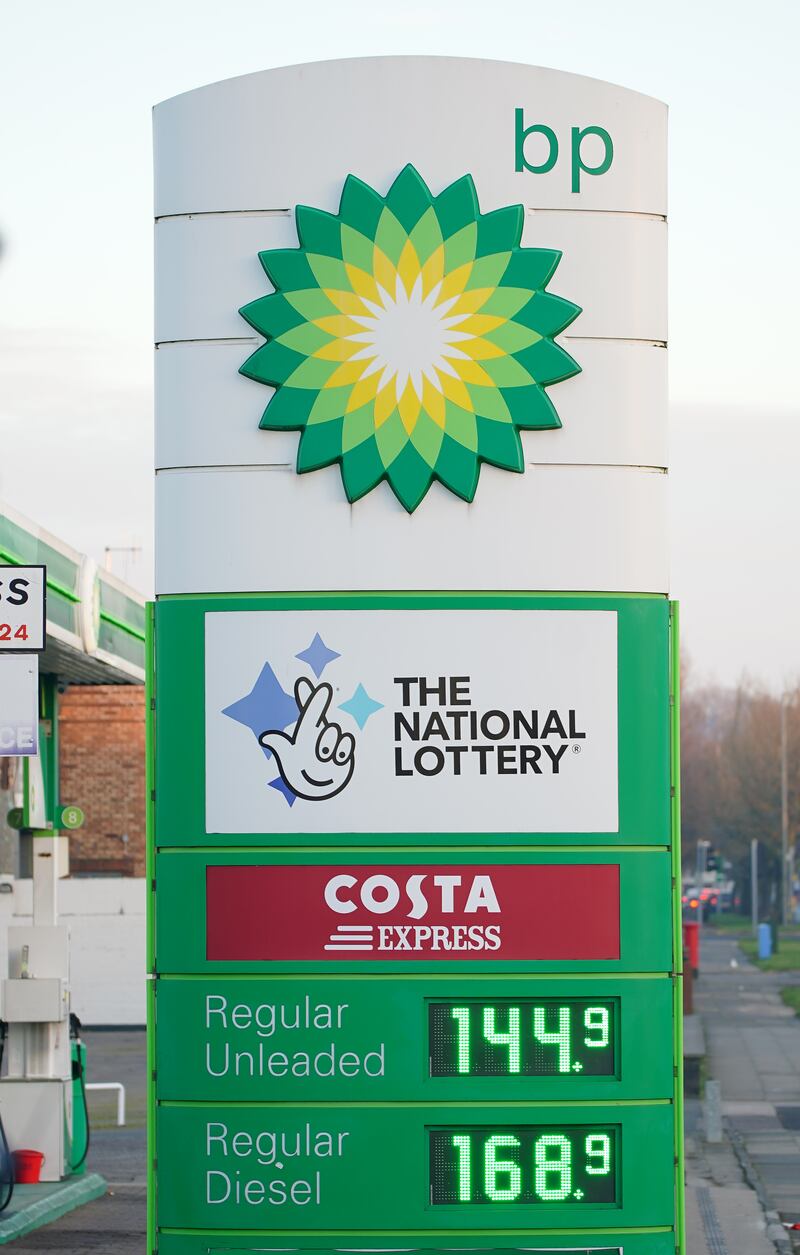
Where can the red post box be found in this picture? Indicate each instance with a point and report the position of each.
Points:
(691, 940)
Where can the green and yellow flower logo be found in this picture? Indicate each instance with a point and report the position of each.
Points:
(410, 338)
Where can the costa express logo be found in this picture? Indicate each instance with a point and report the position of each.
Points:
(381, 894)
(411, 337)
(511, 911)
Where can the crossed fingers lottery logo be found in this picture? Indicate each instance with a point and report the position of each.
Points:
(314, 755)
(317, 760)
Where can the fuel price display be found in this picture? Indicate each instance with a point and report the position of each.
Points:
(526, 1164)
(523, 1037)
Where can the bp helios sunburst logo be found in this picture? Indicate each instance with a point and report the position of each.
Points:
(410, 338)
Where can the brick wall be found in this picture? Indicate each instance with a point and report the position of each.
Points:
(102, 771)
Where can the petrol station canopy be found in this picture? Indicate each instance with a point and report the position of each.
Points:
(95, 622)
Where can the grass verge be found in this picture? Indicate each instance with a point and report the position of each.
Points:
(728, 922)
(786, 960)
(791, 996)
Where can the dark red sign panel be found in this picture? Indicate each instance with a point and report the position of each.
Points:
(519, 911)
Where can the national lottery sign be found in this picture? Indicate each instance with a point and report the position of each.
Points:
(411, 720)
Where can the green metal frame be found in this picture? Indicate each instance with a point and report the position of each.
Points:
(175, 862)
(150, 730)
(48, 756)
(654, 1240)
(677, 925)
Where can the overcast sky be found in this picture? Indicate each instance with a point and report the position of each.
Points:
(77, 82)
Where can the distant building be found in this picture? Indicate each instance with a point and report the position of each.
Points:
(102, 768)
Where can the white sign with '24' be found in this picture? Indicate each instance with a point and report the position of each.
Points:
(22, 608)
(411, 721)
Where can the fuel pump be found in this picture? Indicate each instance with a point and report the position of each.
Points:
(41, 1048)
(81, 1132)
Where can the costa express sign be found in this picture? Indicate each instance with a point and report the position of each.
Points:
(298, 913)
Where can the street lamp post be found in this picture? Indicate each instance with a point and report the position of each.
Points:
(754, 884)
(786, 858)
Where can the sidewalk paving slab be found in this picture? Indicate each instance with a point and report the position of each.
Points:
(725, 1220)
(753, 1043)
(724, 1215)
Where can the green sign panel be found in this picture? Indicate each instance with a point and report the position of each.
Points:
(416, 1168)
(414, 925)
(367, 1039)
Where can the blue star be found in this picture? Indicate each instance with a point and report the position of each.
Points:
(267, 707)
(361, 706)
(318, 655)
(282, 787)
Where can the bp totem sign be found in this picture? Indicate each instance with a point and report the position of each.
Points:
(413, 943)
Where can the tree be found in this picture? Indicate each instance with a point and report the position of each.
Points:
(730, 775)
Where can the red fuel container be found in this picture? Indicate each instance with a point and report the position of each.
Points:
(27, 1166)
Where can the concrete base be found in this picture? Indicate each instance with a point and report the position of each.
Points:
(35, 1205)
(694, 1052)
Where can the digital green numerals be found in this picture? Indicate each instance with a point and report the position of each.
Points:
(528, 1038)
(553, 1168)
(497, 1171)
(598, 1154)
(509, 1038)
(461, 1016)
(524, 1165)
(595, 1020)
(559, 1038)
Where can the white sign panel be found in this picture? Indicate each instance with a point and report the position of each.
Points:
(259, 174)
(282, 137)
(411, 721)
(22, 608)
(19, 706)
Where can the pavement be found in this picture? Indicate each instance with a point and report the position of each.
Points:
(742, 1189)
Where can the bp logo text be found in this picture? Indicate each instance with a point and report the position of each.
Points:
(591, 149)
